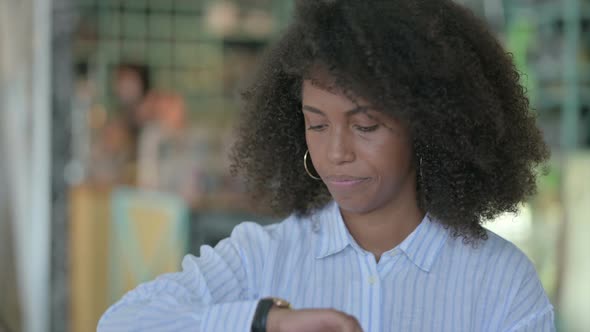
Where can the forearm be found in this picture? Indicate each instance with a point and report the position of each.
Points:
(165, 315)
(212, 293)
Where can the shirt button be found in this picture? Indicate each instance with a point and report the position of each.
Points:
(372, 280)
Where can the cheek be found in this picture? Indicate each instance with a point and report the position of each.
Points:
(390, 156)
(311, 143)
(317, 141)
(316, 149)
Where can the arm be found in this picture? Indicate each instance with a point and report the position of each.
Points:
(214, 292)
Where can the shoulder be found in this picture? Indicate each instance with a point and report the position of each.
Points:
(505, 288)
(496, 266)
(506, 256)
(506, 259)
(505, 281)
(491, 254)
(512, 277)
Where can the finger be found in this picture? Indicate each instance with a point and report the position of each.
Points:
(352, 324)
(357, 325)
(354, 320)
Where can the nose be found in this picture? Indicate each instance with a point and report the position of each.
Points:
(340, 149)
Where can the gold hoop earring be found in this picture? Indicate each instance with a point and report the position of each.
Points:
(306, 169)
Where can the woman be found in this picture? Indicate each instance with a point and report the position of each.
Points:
(388, 131)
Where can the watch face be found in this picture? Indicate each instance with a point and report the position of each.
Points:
(280, 303)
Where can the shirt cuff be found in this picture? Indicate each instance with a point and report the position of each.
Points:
(234, 316)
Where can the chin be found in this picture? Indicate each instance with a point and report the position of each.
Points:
(355, 205)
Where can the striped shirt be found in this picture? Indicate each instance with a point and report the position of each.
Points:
(429, 282)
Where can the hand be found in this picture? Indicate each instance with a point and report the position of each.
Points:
(313, 320)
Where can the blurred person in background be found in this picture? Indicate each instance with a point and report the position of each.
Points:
(169, 158)
(114, 148)
(131, 85)
(387, 132)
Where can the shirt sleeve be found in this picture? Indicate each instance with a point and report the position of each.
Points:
(530, 310)
(538, 322)
(214, 292)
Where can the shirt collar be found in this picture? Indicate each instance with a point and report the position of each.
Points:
(422, 246)
(333, 235)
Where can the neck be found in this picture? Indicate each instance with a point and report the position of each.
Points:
(384, 228)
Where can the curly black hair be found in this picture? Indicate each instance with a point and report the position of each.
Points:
(432, 64)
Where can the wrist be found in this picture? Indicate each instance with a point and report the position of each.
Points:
(265, 306)
(274, 318)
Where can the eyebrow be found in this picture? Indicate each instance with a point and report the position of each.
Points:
(356, 110)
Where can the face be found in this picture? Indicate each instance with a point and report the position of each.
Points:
(363, 156)
(128, 87)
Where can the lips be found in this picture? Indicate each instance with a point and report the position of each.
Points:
(344, 180)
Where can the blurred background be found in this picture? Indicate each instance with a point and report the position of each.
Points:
(115, 123)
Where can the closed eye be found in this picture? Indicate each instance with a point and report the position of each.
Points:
(367, 129)
(317, 128)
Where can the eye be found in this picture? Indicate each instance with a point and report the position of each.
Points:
(366, 129)
(317, 128)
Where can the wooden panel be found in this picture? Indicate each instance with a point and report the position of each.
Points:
(89, 238)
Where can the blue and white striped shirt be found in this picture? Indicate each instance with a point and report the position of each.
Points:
(429, 282)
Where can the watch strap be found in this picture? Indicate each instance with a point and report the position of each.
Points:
(261, 315)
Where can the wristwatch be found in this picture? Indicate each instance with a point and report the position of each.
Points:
(262, 310)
